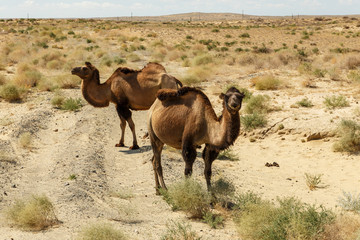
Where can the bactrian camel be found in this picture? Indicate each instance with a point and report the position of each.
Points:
(185, 119)
(127, 89)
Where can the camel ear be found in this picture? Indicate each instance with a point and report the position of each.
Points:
(88, 64)
(221, 96)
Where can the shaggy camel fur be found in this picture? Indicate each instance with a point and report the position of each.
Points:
(127, 89)
(185, 119)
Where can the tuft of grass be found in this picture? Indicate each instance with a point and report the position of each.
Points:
(305, 102)
(179, 231)
(122, 194)
(266, 82)
(213, 220)
(202, 59)
(3, 78)
(25, 140)
(345, 227)
(67, 82)
(228, 154)
(57, 101)
(313, 180)
(188, 196)
(72, 177)
(257, 104)
(101, 231)
(71, 104)
(349, 141)
(223, 191)
(350, 202)
(36, 213)
(252, 121)
(291, 219)
(10, 93)
(336, 102)
(196, 75)
(28, 78)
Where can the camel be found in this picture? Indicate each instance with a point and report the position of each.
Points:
(185, 119)
(127, 89)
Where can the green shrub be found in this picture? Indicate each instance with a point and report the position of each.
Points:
(257, 104)
(213, 220)
(305, 102)
(101, 231)
(57, 101)
(71, 104)
(179, 231)
(245, 35)
(266, 82)
(10, 93)
(189, 196)
(292, 219)
(35, 213)
(349, 141)
(350, 202)
(336, 102)
(252, 121)
(313, 180)
(202, 60)
(228, 154)
(354, 76)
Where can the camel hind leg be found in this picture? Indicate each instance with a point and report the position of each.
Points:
(157, 147)
(125, 115)
(189, 155)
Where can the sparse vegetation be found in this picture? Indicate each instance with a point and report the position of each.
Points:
(266, 82)
(292, 219)
(179, 231)
(228, 154)
(25, 140)
(305, 102)
(257, 104)
(101, 231)
(36, 213)
(336, 102)
(189, 196)
(313, 180)
(252, 121)
(10, 93)
(350, 202)
(349, 132)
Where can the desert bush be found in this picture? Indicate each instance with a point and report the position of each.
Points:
(345, 227)
(202, 60)
(350, 202)
(57, 100)
(213, 220)
(27, 78)
(313, 180)
(349, 132)
(305, 102)
(179, 231)
(46, 84)
(266, 82)
(252, 121)
(196, 75)
(336, 102)
(257, 104)
(101, 231)
(227, 154)
(292, 219)
(132, 57)
(10, 93)
(2, 79)
(319, 72)
(188, 196)
(67, 81)
(354, 75)
(35, 213)
(245, 35)
(71, 104)
(352, 62)
(223, 191)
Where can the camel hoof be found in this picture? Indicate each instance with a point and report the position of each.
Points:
(119, 145)
(134, 147)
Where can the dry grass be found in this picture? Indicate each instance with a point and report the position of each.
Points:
(266, 82)
(345, 227)
(36, 213)
(313, 180)
(11, 93)
(26, 140)
(101, 231)
(179, 231)
(349, 132)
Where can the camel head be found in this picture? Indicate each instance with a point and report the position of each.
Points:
(86, 72)
(232, 100)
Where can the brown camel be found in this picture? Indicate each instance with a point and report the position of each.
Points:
(185, 119)
(127, 89)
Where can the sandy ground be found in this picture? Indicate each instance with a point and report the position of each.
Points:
(82, 143)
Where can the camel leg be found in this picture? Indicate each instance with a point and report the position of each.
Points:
(209, 155)
(125, 113)
(122, 127)
(189, 155)
(157, 147)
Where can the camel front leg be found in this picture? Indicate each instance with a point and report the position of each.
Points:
(132, 127)
(209, 155)
(122, 127)
(189, 155)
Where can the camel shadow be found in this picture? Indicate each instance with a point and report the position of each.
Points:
(142, 149)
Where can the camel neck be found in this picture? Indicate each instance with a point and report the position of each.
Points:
(95, 93)
(226, 130)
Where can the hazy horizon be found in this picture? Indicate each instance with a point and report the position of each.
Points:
(113, 8)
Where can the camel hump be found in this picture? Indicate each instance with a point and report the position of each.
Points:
(166, 94)
(125, 70)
